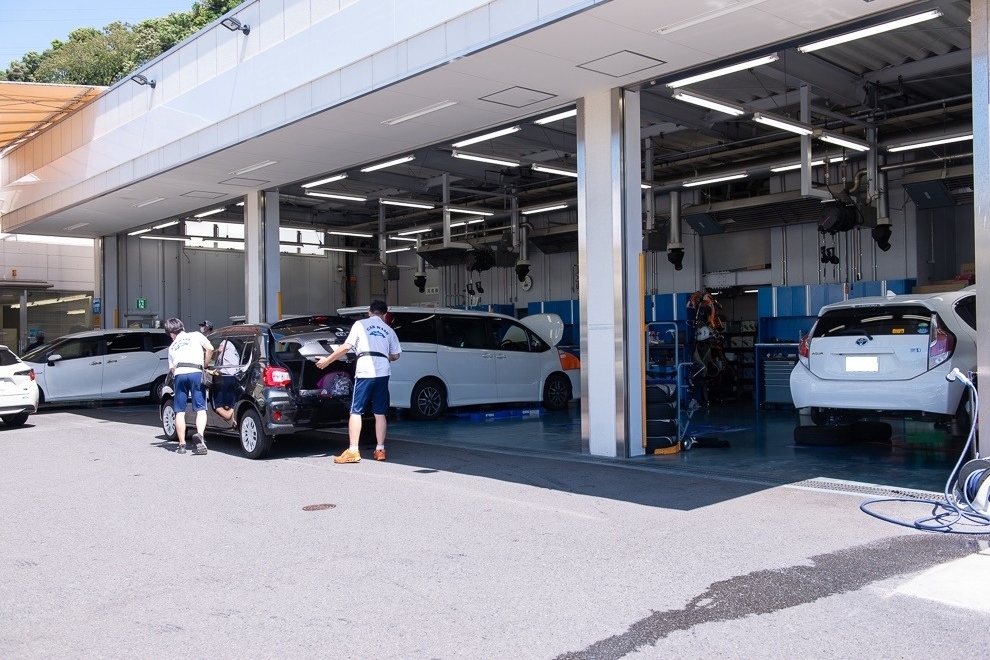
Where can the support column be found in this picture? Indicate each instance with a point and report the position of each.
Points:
(610, 237)
(980, 39)
(108, 281)
(262, 276)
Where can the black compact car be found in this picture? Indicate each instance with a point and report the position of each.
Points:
(279, 389)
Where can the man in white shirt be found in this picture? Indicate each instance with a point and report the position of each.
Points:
(188, 356)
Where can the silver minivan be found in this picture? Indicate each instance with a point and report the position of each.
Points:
(454, 357)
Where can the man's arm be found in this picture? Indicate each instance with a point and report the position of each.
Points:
(324, 362)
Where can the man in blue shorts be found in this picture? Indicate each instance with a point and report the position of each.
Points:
(188, 356)
(377, 348)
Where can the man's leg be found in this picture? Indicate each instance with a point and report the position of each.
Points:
(358, 401)
(180, 427)
(354, 424)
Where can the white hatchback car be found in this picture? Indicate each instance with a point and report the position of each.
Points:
(455, 357)
(888, 356)
(125, 363)
(18, 389)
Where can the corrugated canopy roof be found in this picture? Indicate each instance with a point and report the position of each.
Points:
(26, 108)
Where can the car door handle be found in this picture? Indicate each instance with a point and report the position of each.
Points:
(487, 355)
(109, 361)
(93, 364)
(500, 356)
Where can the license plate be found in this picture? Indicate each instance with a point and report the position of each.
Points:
(862, 363)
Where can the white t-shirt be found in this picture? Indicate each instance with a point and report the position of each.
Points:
(229, 362)
(373, 334)
(188, 348)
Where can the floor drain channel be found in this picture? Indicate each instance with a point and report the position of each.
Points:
(318, 507)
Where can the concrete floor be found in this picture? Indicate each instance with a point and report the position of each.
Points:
(761, 447)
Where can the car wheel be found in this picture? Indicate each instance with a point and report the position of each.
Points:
(429, 400)
(661, 427)
(168, 421)
(158, 390)
(661, 394)
(823, 436)
(556, 392)
(661, 410)
(15, 420)
(255, 442)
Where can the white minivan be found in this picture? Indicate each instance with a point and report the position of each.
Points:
(454, 357)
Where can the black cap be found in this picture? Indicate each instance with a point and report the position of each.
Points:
(209, 326)
(378, 306)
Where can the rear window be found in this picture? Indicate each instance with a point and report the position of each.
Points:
(875, 321)
(7, 358)
(338, 325)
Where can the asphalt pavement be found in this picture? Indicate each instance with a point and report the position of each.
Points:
(114, 546)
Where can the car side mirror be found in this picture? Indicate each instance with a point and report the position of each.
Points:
(53, 358)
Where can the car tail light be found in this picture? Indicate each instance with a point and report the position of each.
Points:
(29, 373)
(942, 343)
(803, 349)
(32, 374)
(568, 360)
(277, 377)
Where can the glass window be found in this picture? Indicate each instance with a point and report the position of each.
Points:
(415, 327)
(7, 358)
(873, 321)
(463, 332)
(966, 310)
(130, 342)
(160, 340)
(512, 336)
(78, 348)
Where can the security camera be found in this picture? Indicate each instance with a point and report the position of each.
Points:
(675, 255)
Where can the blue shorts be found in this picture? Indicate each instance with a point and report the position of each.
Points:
(373, 390)
(225, 396)
(184, 384)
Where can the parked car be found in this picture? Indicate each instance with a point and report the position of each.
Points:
(280, 390)
(18, 389)
(125, 363)
(888, 356)
(454, 357)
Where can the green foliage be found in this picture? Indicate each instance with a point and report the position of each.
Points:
(102, 57)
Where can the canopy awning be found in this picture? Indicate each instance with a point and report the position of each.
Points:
(26, 108)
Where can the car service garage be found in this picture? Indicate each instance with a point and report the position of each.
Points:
(685, 188)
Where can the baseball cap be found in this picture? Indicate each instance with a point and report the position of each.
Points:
(209, 326)
(378, 306)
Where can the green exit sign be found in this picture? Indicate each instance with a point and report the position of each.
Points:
(142, 303)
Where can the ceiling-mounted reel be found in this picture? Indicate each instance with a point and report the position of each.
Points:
(837, 217)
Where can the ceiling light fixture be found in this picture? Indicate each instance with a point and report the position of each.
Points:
(795, 166)
(466, 222)
(346, 198)
(388, 163)
(166, 224)
(251, 168)
(716, 179)
(234, 25)
(329, 179)
(487, 136)
(742, 66)
(557, 117)
(494, 160)
(339, 249)
(139, 232)
(907, 146)
(413, 232)
(870, 31)
(76, 226)
(710, 103)
(419, 113)
(165, 238)
(404, 238)
(210, 212)
(543, 209)
(401, 249)
(844, 141)
(547, 169)
(785, 124)
(149, 202)
(143, 80)
(706, 16)
(354, 234)
(470, 211)
(407, 203)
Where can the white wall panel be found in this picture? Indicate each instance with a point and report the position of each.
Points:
(471, 28)
(206, 58)
(507, 16)
(426, 49)
(296, 16)
(271, 26)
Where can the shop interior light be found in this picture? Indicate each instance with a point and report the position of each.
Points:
(252, 168)
(419, 113)
(329, 179)
(181, 239)
(907, 146)
(706, 16)
(870, 31)
(139, 232)
(413, 232)
(388, 163)
(210, 212)
(494, 160)
(354, 234)
(405, 202)
(486, 136)
(166, 224)
(346, 198)
(399, 249)
(716, 179)
(467, 222)
(557, 117)
(785, 124)
(470, 211)
(543, 209)
(742, 66)
(149, 202)
(795, 166)
(339, 249)
(403, 238)
(844, 141)
(549, 169)
(710, 103)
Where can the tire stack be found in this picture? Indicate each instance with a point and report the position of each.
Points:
(661, 420)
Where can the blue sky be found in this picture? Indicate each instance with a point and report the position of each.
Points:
(27, 26)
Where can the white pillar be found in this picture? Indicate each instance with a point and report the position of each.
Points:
(610, 238)
(262, 278)
(980, 40)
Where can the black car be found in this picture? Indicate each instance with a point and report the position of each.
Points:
(279, 388)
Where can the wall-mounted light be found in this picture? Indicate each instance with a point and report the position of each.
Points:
(710, 102)
(234, 25)
(843, 141)
(404, 202)
(143, 80)
(785, 124)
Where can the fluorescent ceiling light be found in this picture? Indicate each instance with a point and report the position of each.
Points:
(251, 168)
(494, 160)
(742, 66)
(466, 222)
(210, 212)
(411, 232)
(470, 211)
(339, 249)
(554, 170)
(709, 102)
(717, 179)
(706, 16)
(76, 226)
(329, 179)
(795, 166)
(751, 290)
(403, 202)
(166, 238)
(557, 117)
(907, 146)
(149, 202)
(404, 238)
(166, 224)
(844, 141)
(866, 32)
(346, 198)
(239, 204)
(486, 136)
(139, 232)
(785, 124)
(543, 209)
(388, 163)
(355, 234)
(401, 249)
(419, 113)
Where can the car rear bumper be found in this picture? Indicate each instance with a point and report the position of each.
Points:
(928, 393)
(284, 416)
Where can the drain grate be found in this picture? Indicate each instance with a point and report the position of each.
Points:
(868, 489)
(318, 507)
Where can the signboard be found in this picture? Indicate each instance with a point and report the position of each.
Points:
(97, 306)
(142, 303)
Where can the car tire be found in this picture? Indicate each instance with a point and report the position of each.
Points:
(661, 427)
(15, 420)
(168, 420)
(661, 394)
(876, 432)
(158, 390)
(661, 410)
(255, 441)
(556, 392)
(428, 401)
(823, 436)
